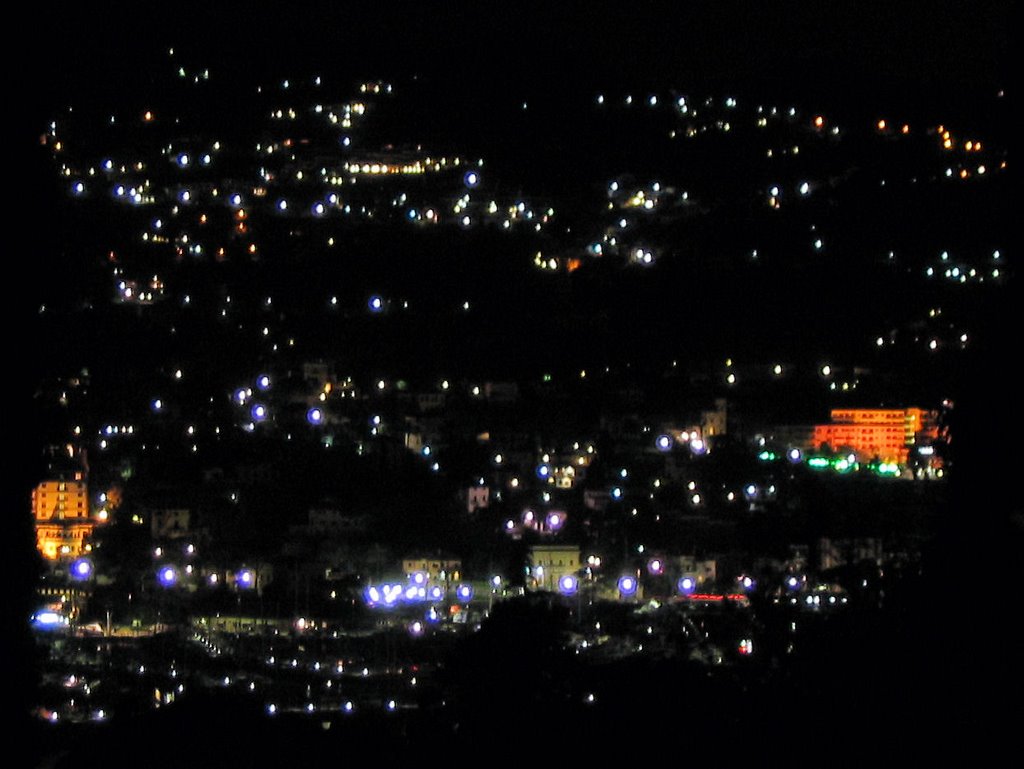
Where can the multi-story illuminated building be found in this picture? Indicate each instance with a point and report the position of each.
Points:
(60, 507)
(436, 568)
(549, 563)
(883, 434)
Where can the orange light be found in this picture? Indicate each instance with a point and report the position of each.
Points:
(147, 116)
(252, 248)
(963, 174)
(969, 146)
(202, 219)
(905, 129)
(881, 125)
(819, 121)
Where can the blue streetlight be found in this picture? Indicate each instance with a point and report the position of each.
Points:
(81, 569)
(627, 585)
(568, 584)
(245, 578)
(167, 576)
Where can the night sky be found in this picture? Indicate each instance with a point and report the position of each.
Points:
(907, 50)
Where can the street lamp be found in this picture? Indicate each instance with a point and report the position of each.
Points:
(167, 576)
(245, 578)
(686, 585)
(568, 584)
(81, 569)
(627, 586)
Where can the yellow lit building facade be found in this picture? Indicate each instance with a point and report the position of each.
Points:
(60, 509)
(549, 563)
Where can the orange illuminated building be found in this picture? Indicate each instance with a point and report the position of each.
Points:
(883, 434)
(61, 511)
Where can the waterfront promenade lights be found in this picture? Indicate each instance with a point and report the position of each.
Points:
(663, 443)
(747, 583)
(464, 593)
(392, 594)
(385, 594)
(315, 416)
(656, 566)
(48, 620)
(686, 585)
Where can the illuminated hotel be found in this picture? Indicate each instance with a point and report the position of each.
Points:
(60, 507)
(885, 434)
